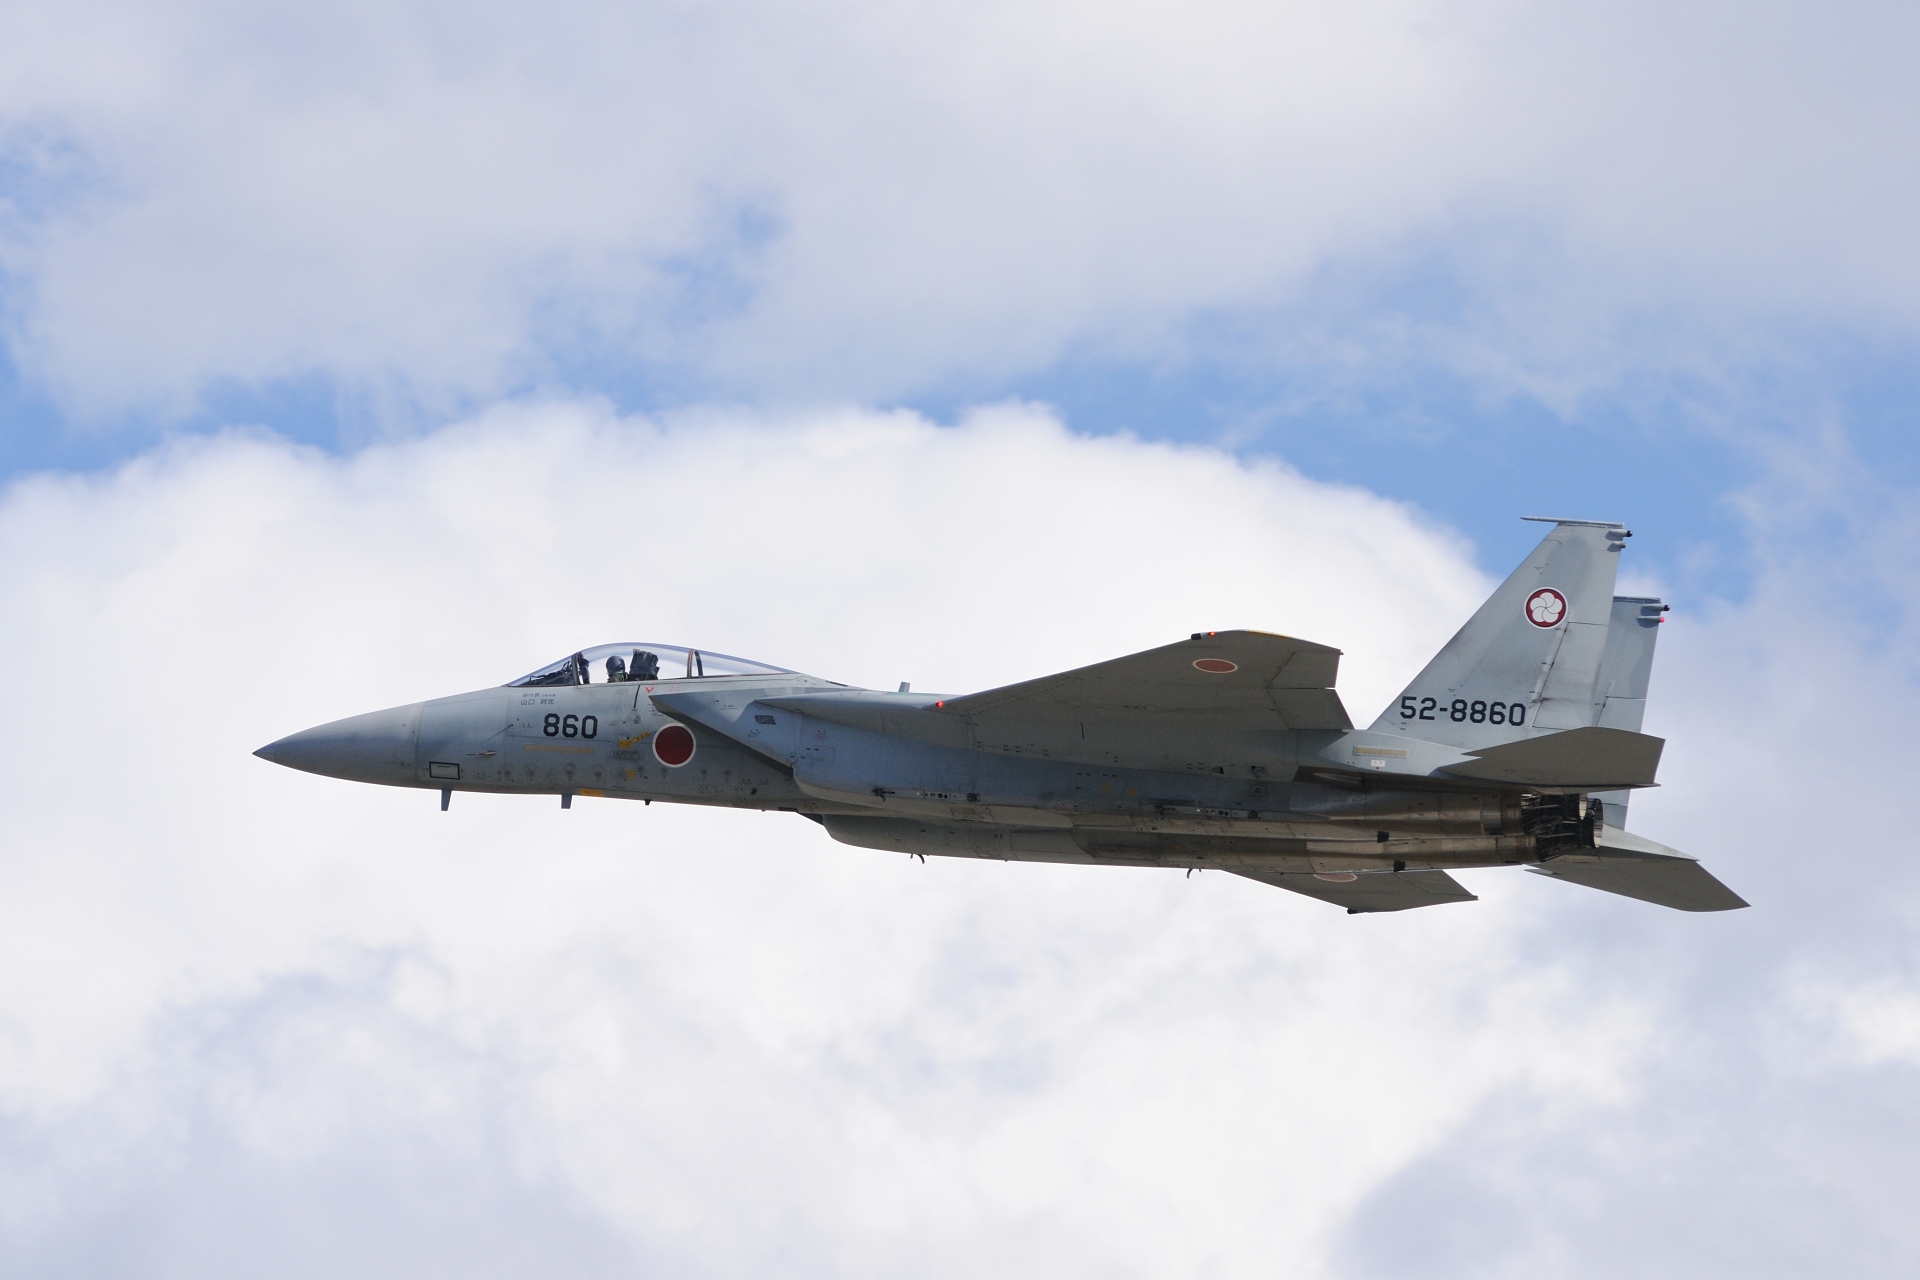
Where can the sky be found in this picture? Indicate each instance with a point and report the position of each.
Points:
(352, 354)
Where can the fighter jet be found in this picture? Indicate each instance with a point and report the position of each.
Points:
(1519, 744)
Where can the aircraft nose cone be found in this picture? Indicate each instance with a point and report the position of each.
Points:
(381, 746)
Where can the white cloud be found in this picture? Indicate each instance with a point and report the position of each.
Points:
(713, 1040)
(244, 1010)
(849, 199)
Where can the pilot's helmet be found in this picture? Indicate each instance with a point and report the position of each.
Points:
(616, 669)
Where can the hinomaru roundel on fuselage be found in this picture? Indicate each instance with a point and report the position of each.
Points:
(637, 660)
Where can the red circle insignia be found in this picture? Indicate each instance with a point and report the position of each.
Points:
(1545, 608)
(1215, 666)
(673, 745)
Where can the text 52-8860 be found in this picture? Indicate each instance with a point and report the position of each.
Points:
(1475, 712)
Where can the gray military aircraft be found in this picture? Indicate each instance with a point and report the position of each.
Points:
(1519, 744)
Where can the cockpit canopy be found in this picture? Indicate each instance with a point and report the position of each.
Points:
(641, 660)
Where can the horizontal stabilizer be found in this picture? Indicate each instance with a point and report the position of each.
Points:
(1589, 759)
(1370, 890)
(1680, 883)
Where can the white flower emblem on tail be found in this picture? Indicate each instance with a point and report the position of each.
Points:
(1546, 607)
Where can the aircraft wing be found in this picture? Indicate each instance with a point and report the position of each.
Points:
(1371, 890)
(1269, 679)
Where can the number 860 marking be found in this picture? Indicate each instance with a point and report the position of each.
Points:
(1460, 709)
(571, 726)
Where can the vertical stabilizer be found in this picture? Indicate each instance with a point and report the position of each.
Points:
(1626, 668)
(1620, 696)
(1529, 661)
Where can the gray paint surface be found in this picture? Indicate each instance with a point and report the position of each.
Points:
(1516, 745)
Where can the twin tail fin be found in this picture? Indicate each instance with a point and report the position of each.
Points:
(1533, 660)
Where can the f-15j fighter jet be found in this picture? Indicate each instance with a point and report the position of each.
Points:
(1518, 745)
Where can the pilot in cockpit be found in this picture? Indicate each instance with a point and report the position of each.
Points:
(616, 670)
